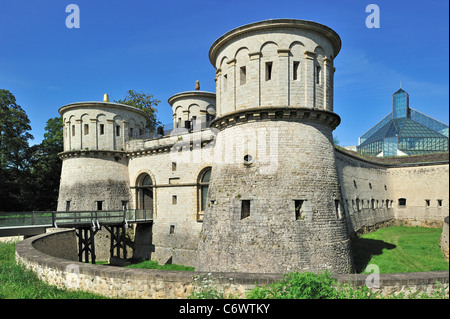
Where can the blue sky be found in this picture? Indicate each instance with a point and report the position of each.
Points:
(161, 47)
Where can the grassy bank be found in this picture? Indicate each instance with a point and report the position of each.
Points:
(16, 282)
(400, 249)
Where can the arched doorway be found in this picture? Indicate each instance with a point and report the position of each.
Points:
(144, 192)
(203, 186)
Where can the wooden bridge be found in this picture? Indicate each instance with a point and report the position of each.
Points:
(86, 223)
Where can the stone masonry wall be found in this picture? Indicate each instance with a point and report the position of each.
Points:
(444, 243)
(116, 282)
(287, 169)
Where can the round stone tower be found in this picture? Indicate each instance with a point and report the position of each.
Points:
(192, 110)
(274, 202)
(94, 172)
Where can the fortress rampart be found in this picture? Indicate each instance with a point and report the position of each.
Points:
(47, 255)
(249, 179)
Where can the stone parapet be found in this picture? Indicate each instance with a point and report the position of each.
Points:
(116, 282)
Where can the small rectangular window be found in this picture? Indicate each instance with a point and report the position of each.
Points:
(86, 129)
(131, 132)
(118, 130)
(124, 204)
(67, 205)
(439, 202)
(172, 229)
(269, 71)
(174, 199)
(245, 209)
(295, 70)
(298, 209)
(174, 166)
(102, 129)
(243, 75)
(99, 205)
(402, 202)
(73, 130)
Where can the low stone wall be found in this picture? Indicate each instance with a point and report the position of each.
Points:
(444, 239)
(119, 282)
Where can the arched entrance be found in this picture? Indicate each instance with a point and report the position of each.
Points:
(144, 189)
(203, 186)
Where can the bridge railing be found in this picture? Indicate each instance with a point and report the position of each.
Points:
(73, 218)
(15, 219)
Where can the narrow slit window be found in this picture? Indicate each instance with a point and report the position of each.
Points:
(439, 202)
(269, 71)
(295, 69)
(86, 129)
(427, 202)
(298, 209)
(318, 74)
(172, 229)
(118, 130)
(174, 166)
(73, 130)
(245, 209)
(99, 205)
(67, 205)
(174, 199)
(102, 129)
(243, 75)
(337, 207)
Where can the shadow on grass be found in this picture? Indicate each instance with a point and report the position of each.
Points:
(363, 249)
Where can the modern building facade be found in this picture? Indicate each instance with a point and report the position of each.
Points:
(404, 131)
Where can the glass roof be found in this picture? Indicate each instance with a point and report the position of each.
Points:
(402, 127)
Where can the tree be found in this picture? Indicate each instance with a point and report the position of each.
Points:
(14, 136)
(145, 102)
(46, 167)
(14, 152)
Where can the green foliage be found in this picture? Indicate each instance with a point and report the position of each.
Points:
(151, 264)
(298, 285)
(16, 282)
(14, 152)
(205, 287)
(46, 168)
(145, 102)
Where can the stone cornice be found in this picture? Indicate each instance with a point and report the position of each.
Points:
(191, 94)
(271, 25)
(95, 104)
(271, 113)
(92, 153)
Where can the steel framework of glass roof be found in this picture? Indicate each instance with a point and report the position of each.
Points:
(404, 131)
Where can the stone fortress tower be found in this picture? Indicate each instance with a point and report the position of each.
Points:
(94, 174)
(274, 201)
(248, 179)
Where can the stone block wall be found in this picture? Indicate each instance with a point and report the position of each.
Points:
(293, 162)
(61, 243)
(89, 177)
(444, 243)
(116, 282)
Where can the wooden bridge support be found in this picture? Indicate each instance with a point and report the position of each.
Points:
(119, 241)
(86, 244)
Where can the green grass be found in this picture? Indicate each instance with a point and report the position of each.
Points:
(150, 264)
(16, 282)
(400, 249)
